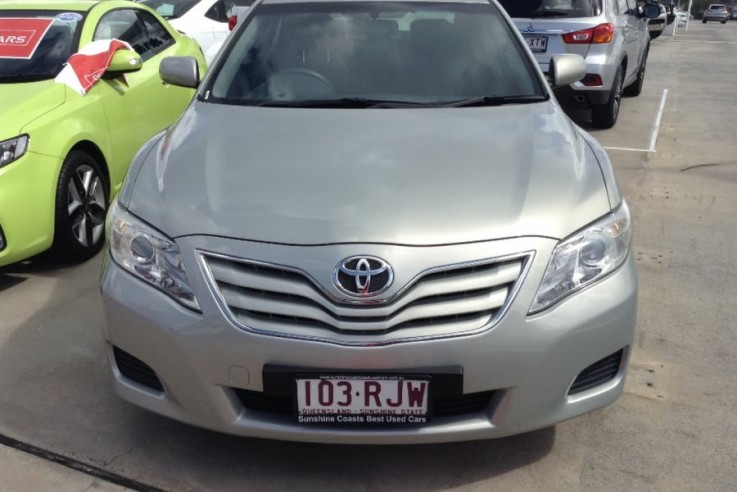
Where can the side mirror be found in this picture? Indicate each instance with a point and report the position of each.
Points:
(124, 61)
(181, 71)
(651, 10)
(566, 69)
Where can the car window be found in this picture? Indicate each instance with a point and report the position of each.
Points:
(159, 37)
(51, 52)
(217, 12)
(171, 9)
(229, 4)
(552, 8)
(138, 28)
(631, 6)
(417, 52)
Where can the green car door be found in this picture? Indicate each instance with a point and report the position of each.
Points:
(138, 105)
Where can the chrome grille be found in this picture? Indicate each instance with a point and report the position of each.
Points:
(445, 301)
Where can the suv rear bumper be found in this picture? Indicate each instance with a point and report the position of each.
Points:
(585, 99)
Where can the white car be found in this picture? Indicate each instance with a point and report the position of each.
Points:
(204, 20)
(237, 14)
(657, 25)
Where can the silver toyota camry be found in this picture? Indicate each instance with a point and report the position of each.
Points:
(373, 224)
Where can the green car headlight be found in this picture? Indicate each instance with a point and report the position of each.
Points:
(586, 257)
(149, 255)
(13, 149)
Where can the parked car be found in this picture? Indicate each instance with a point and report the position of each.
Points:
(656, 26)
(204, 20)
(374, 224)
(609, 34)
(237, 14)
(63, 155)
(716, 12)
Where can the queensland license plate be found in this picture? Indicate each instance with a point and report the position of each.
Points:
(538, 44)
(353, 399)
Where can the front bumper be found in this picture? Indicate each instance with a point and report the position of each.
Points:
(656, 25)
(27, 206)
(204, 363)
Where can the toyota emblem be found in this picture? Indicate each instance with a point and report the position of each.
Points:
(363, 276)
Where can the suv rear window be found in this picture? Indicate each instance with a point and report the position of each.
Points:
(717, 7)
(552, 8)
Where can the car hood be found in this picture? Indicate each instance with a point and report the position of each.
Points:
(401, 176)
(24, 102)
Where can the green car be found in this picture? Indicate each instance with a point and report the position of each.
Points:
(63, 155)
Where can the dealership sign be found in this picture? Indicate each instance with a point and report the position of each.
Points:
(19, 38)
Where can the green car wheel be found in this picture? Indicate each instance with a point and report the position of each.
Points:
(82, 198)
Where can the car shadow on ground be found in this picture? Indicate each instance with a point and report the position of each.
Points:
(17, 273)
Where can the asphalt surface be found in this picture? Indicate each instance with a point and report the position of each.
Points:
(675, 428)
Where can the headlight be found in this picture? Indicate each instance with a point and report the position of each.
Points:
(149, 255)
(586, 257)
(13, 149)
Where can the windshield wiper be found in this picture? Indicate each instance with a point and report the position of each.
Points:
(493, 101)
(343, 103)
(549, 13)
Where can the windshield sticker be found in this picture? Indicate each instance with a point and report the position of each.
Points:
(69, 17)
(19, 37)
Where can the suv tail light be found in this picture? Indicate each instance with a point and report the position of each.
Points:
(232, 21)
(603, 33)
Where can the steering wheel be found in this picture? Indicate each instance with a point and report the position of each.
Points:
(288, 79)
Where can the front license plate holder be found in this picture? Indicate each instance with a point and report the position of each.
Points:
(537, 44)
(357, 399)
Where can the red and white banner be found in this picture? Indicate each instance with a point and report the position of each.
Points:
(87, 66)
(19, 37)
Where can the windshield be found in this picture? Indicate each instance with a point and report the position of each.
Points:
(552, 8)
(365, 53)
(35, 45)
(171, 9)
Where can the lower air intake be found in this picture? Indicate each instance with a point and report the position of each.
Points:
(442, 407)
(136, 370)
(597, 373)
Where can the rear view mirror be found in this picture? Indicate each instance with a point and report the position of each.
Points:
(181, 71)
(566, 69)
(124, 61)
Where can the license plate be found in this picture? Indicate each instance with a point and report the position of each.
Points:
(537, 44)
(353, 399)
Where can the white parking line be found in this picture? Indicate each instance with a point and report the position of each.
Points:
(655, 130)
(626, 149)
